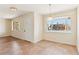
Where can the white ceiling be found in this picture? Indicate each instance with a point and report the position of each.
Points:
(25, 8)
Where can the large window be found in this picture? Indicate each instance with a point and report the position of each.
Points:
(59, 24)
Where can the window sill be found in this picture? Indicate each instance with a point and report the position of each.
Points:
(60, 31)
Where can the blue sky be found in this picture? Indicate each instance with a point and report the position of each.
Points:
(60, 21)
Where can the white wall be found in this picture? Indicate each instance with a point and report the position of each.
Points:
(67, 38)
(37, 27)
(4, 27)
(30, 27)
(26, 31)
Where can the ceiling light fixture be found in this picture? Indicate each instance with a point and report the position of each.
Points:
(13, 9)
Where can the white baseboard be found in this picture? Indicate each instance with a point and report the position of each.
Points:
(4, 35)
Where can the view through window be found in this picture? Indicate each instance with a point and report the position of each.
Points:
(59, 24)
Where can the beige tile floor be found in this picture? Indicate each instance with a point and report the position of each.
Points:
(13, 46)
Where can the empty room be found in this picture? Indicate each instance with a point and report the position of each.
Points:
(39, 29)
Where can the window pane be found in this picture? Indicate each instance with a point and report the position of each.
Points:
(59, 24)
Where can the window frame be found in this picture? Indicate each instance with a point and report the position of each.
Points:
(62, 31)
